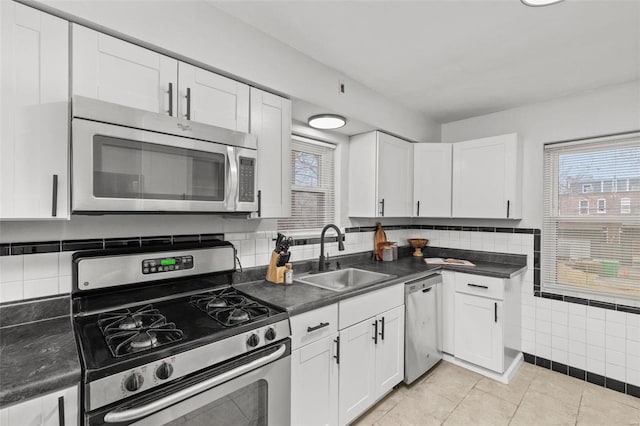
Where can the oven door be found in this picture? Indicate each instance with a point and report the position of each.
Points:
(253, 390)
(122, 169)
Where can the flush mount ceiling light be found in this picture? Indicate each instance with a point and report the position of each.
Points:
(536, 3)
(327, 121)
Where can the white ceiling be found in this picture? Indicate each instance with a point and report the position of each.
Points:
(454, 59)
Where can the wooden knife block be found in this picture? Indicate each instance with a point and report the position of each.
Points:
(275, 273)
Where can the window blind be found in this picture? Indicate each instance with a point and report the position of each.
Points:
(591, 228)
(312, 185)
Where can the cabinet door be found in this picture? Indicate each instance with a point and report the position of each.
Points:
(432, 179)
(210, 98)
(357, 370)
(395, 176)
(44, 410)
(271, 124)
(34, 120)
(113, 70)
(486, 178)
(448, 312)
(478, 331)
(314, 383)
(389, 350)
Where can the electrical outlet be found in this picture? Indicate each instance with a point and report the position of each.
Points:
(341, 87)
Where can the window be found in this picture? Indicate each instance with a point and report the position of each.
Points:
(584, 207)
(587, 187)
(312, 185)
(593, 254)
(625, 205)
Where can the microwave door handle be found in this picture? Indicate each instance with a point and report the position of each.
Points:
(117, 416)
(232, 179)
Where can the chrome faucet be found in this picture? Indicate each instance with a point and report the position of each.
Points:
(340, 244)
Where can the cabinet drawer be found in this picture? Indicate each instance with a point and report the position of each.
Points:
(356, 309)
(313, 325)
(479, 285)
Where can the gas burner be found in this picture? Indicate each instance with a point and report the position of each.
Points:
(246, 312)
(143, 341)
(133, 331)
(212, 301)
(228, 307)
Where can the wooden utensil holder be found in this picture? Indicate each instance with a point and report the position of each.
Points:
(275, 273)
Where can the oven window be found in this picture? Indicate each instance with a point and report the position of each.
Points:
(244, 407)
(124, 168)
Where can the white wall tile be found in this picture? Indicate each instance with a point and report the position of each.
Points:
(577, 347)
(633, 349)
(577, 310)
(543, 326)
(595, 325)
(560, 318)
(559, 330)
(595, 366)
(528, 346)
(595, 338)
(543, 339)
(578, 334)
(560, 343)
(616, 316)
(596, 352)
(615, 343)
(577, 321)
(615, 357)
(41, 287)
(615, 329)
(543, 350)
(64, 284)
(65, 266)
(11, 268)
(11, 291)
(558, 355)
(598, 313)
(633, 376)
(577, 361)
(616, 372)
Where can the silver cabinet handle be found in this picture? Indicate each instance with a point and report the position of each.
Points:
(61, 411)
(54, 197)
(170, 100)
(188, 115)
(157, 405)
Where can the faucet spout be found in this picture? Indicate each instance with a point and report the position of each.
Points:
(340, 244)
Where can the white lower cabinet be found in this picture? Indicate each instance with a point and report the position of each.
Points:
(314, 367)
(478, 331)
(448, 311)
(487, 320)
(314, 378)
(337, 375)
(371, 361)
(59, 408)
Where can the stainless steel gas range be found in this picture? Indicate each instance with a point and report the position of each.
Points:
(166, 340)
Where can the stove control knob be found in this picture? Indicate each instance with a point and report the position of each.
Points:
(253, 340)
(270, 334)
(133, 382)
(164, 371)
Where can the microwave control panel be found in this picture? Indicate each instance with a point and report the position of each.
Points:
(166, 264)
(247, 179)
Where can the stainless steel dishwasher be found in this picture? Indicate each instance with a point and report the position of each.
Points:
(423, 319)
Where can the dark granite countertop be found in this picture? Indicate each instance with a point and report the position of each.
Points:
(37, 357)
(298, 297)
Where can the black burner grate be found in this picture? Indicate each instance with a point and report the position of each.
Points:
(142, 329)
(228, 307)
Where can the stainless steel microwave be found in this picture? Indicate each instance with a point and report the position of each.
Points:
(126, 160)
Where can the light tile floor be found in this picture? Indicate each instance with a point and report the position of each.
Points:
(450, 395)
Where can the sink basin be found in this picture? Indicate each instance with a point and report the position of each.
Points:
(343, 279)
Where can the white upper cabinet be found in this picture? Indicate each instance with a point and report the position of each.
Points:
(113, 70)
(271, 124)
(210, 98)
(432, 179)
(380, 176)
(34, 114)
(116, 71)
(487, 178)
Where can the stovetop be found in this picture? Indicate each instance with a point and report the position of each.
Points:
(120, 339)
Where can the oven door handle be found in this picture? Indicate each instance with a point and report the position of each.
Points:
(117, 416)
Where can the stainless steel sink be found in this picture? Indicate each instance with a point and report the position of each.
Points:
(343, 279)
